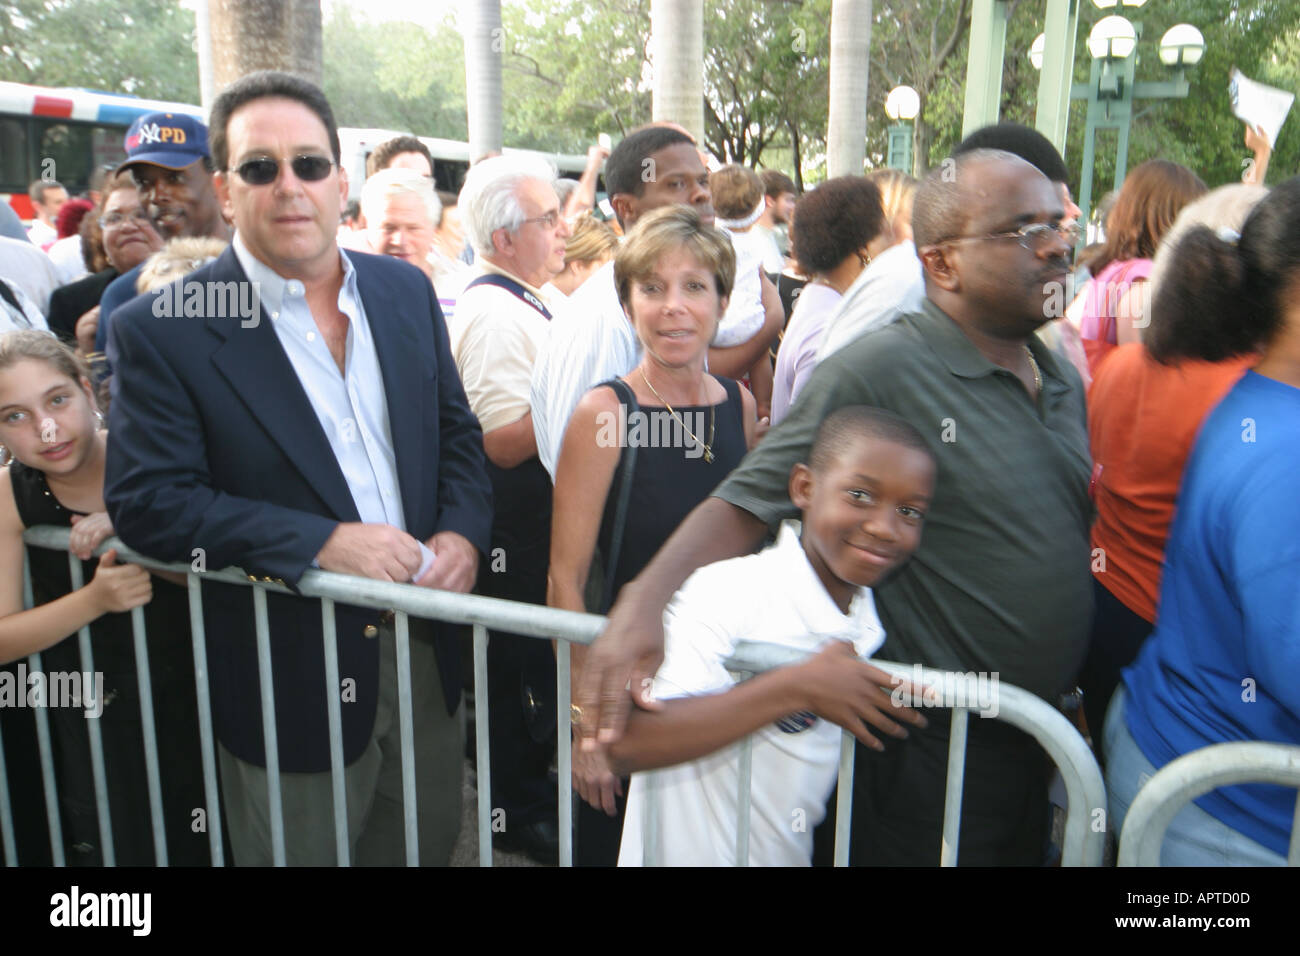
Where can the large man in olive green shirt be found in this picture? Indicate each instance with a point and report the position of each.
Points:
(1000, 582)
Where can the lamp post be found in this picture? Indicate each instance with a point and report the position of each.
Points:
(902, 106)
(1111, 88)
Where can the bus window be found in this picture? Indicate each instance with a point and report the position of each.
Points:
(13, 155)
(69, 146)
(106, 147)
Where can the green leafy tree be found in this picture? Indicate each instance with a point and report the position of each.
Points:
(142, 47)
(394, 75)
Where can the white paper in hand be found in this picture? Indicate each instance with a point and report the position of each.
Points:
(426, 562)
(1259, 105)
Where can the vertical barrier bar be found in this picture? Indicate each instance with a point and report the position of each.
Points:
(481, 746)
(334, 708)
(93, 731)
(844, 799)
(42, 716)
(269, 738)
(145, 683)
(956, 776)
(406, 724)
(1292, 857)
(742, 800)
(564, 740)
(6, 813)
(202, 697)
(47, 774)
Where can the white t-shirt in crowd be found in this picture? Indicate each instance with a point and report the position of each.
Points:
(891, 286)
(67, 259)
(24, 316)
(495, 339)
(30, 269)
(745, 313)
(797, 356)
(39, 233)
(773, 261)
(773, 597)
(591, 343)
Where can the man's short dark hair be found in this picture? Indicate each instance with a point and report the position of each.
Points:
(624, 168)
(776, 182)
(940, 209)
(851, 423)
(259, 86)
(37, 190)
(382, 155)
(1027, 143)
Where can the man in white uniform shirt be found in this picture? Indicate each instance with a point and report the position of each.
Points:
(512, 216)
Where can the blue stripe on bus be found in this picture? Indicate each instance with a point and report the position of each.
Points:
(118, 115)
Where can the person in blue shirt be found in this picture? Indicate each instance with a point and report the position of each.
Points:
(1223, 661)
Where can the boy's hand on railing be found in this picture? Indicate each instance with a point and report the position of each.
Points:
(455, 566)
(119, 587)
(595, 781)
(848, 691)
(377, 551)
(87, 533)
(619, 670)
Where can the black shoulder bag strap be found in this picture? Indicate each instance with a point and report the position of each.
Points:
(514, 288)
(625, 396)
(7, 294)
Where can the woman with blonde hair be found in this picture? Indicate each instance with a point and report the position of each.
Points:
(590, 246)
(641, 451)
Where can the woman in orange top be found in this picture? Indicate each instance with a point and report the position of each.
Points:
(1142, 419)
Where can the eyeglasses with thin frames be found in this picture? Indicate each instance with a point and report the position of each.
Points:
(263, 170)
(1035, 236)
(548, 221)
(139, 217)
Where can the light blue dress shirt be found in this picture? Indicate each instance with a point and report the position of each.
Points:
(352, 408)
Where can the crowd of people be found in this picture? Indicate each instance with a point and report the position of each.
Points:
(884, 417)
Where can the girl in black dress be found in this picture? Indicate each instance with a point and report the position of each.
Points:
(690, 430)
(55, 445)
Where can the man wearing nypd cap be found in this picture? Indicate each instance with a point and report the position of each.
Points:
(167, 156)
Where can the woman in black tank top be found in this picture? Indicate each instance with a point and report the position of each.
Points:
(669, 426)
(55, 476)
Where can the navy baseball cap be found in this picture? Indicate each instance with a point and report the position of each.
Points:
(172, 140)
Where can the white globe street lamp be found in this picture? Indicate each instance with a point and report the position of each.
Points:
(1110, 4)
(1112, 38)
(903, 103)
(1182, 45)
(1036, 51)
(902, 106)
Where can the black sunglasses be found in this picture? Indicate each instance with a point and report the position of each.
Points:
(264, 170)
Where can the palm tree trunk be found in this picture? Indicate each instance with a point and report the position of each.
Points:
(677, 61)
(846, 129)
(480, 25)
(248, 35)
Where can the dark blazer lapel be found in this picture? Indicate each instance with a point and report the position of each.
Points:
(254, 363)
(390, 320)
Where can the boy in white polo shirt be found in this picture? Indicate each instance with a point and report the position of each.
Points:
(863, 494)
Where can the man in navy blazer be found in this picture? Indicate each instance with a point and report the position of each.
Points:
(287, 406)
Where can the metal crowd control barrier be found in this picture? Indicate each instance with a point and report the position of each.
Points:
(1181, 781)
(1083, 845)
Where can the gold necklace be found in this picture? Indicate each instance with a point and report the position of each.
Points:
(713, 412)
(1038, 376)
